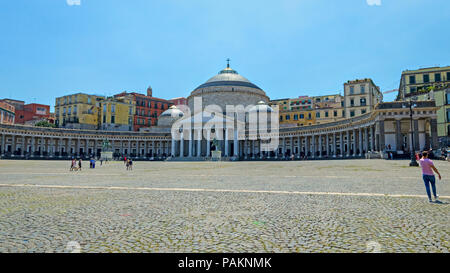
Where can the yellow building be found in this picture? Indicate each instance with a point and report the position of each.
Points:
(297, 118)
(78, 111)
(431, 83)
(116, 113)
(329, 108)
(360, 97)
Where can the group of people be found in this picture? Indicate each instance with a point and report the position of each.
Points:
(73, 165)
(128, 163)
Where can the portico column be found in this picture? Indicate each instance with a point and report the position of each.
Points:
(3, 145)
(313, 138)
(129, 147)
(382, 145)
(416, 135)
(341, 144)
(334, 144)
(372, 136)
(355, 139)
(42, 146)
(190, 142)
(327, 142)
(348, 143)
(182, 144)
(299, 146)
(13, 144)
(253, 149)
(24, 146)
(78, 146)
(398, 135)
(434, 136)
(226, 141)
(208, 142)
(320, 146)
(306, 146)
(199, 143)
(284, 147)
(366, 139)
(172, 150)
(33, 148)
(360, 142)
(236, 143)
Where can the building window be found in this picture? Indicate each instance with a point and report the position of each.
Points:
(437, 77)
(113, 119)
(130, 110)
(75, 110)
(362, 101)
(326, 114)
(317, 114)
(335, 113)
(89, 100)
(113, 108)
(281, 118)
(352, 90)
(426, 78)
(448, 76)
(296, 117)
(352, 113)
(447, 96)
(352, 102)
(104, 119)
(363, 111)
(412, 79)
(302, 116)
(363, 89)
(412, 89)
(70, 110)
(288, 117)
(448, 115)
(104, 108)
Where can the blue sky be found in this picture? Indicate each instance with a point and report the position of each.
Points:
(287, 47)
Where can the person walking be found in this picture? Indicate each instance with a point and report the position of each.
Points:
(130, 164)
(428, 176)
(79, 164)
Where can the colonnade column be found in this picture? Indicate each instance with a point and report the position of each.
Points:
(199, 143)
(334, 145)
(372, 138)
(2, 152)
(208, 143)
(366, 139)
(182, 144)
(360, 142)
(320, 146)
(226, 141)
(299, 146)
(306, 146)
(236, 143)
(313, 138)
(327, 142)
(190, 142)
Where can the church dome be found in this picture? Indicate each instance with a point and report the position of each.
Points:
(261, 107)
(168, 117)
(228, 77)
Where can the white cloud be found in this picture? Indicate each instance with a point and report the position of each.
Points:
(73, 2)
(374, 2)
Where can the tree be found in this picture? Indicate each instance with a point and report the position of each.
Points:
(45, 123)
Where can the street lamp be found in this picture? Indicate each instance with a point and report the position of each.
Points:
(413, 162)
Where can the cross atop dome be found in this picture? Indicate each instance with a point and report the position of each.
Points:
(228, 63)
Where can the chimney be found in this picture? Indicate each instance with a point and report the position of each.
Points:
(149, 91)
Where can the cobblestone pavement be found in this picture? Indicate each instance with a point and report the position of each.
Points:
(316, 206)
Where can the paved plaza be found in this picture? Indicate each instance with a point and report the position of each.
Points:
(291, 206)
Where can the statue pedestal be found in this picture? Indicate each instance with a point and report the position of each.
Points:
(216, 155)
